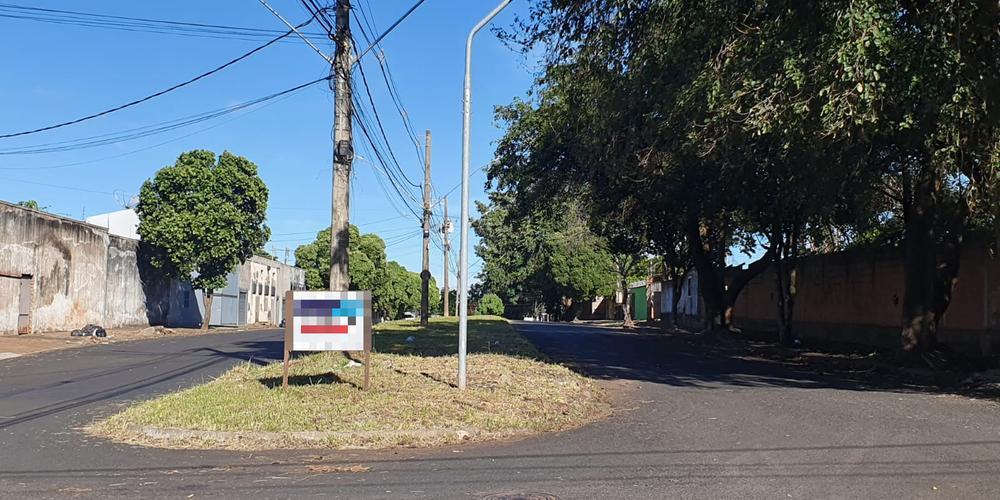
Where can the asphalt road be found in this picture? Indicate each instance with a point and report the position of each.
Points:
(686, 425)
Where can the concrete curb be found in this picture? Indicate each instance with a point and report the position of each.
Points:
(172, 434)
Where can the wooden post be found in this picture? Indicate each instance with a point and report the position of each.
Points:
(287, 348)
(367, 364)
(284, 371)
(368, 335)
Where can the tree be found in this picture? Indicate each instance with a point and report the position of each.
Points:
(918, 85)
(401, 292)
(203, 216)
(546, 255)
(367, 254)
(391, 284)
(32, 204)
(490, 305)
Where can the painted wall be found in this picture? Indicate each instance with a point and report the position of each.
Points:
(857, 296)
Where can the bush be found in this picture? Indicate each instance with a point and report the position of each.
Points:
(490, 304)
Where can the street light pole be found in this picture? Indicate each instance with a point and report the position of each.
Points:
(463, 257)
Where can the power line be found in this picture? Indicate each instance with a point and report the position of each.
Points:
(139, 24)
(157, 94)
(146, 148)
(148, 130)
(390, 83)
(378, 121)
(57, 186)
(320, 13)
(396, 183)
(456, 186)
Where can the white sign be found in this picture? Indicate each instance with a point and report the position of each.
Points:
(329, 321)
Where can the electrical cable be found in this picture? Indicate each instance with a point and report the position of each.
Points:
(139, 24)
(378, 121)
(148, 130)
(390, 82)
(157, 94)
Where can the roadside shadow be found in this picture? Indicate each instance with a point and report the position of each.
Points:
(328, 378)
(689, 361)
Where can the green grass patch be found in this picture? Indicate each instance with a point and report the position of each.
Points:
(511, 391)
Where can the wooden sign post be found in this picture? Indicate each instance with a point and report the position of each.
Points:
(327, 321)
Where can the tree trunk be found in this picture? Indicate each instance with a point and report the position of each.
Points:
(919, 322)
(571, 309)
(678, 287)
(710, 285)
(627, 306)
(786, 280)
(208, 296)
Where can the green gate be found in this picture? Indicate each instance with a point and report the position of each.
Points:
(639, 304)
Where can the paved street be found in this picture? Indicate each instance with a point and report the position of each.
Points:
(686, 425)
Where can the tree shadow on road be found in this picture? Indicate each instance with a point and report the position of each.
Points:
(685, 360)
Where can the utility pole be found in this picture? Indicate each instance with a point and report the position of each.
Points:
(343, 145)
(343, 150)
(445, 228)
(425, 273)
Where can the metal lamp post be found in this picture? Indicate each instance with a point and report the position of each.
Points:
(463, 256)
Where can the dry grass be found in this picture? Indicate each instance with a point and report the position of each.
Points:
(412, 401)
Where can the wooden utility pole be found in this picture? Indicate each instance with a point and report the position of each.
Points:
(445, 227)
(343, 150)
(425, 273)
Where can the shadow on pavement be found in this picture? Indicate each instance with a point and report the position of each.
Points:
(663, 358)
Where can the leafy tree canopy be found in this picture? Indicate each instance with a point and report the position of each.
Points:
(204, 215)
(395, 290)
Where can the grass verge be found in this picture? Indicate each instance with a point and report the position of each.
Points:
(512, 391)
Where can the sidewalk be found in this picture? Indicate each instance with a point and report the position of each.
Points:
(12, 346)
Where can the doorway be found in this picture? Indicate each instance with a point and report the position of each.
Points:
(24, 304)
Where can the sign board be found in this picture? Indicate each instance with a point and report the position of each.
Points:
(328, 321)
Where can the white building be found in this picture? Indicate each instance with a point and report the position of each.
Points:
(124, 223)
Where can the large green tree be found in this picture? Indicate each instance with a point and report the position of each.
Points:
(368, 260)
(392, 286)
(546, 255)
(203, 216)
(401, 292)
(765, 125)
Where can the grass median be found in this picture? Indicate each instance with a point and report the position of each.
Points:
(512, 390)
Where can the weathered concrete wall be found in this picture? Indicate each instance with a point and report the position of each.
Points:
(135, 293)
(80, 274)
(67, 260)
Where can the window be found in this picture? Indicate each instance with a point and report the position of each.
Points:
(187, 299)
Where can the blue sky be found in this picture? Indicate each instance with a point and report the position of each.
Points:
(56, 72)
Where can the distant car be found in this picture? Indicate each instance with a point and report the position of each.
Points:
(409, 315)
